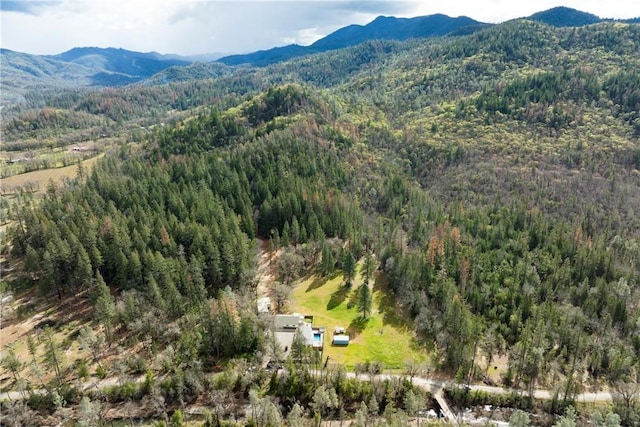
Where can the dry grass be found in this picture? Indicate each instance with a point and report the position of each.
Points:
(39, 180)
(33, 312)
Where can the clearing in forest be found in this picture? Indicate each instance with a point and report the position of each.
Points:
(385, 337)
(39, 180)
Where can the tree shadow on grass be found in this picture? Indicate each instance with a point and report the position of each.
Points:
(319, 280)
(353, 299)
(338, 297)
(388, 308)
(357, 326)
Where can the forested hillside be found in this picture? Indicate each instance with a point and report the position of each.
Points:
(78, 67)
(495, 177)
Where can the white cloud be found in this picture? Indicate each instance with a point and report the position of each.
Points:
(307, 36)
(199, 26)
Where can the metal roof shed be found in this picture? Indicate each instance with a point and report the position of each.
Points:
(341, 340)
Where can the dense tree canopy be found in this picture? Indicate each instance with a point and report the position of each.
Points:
(493, 178)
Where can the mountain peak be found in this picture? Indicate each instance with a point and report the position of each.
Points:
(562, 16)
(392, 28)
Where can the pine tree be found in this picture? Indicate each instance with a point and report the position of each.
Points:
(82, 269)
(295, 231)
(88, 413)
(412, 404)
(196, 291)
(32, 262)
(519, 419)
(296, 416)
(328, 262)
(365, 301)
(369, 267)
(286, 234)
(53, 356)
(11, 363)
(361, 415)
(105, 307)
(348, 268)
(374, 408)
(154, 294)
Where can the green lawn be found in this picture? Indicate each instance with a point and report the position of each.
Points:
(385, 337)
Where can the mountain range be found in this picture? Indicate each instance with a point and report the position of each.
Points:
(391, 28)
(93, 66)
(382, 28)
(495, 177)
(86, 66)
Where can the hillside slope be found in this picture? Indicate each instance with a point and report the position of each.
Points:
(22, 72)
(493, 178)
(79, 67)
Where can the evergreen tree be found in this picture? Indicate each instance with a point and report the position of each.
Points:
(196, 291)
(11, 363)
(368, 267)
(412, 404)
(32, 262)
(53, 356)
(519, 418)
(105, 307)
(296, 416)
(327, 262)
(568, 419)
(365, 301)
(348, 268)
(361, 415)
(88, 413)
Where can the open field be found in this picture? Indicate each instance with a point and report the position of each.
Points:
(39, 180)
(27, 162)
(384, 338)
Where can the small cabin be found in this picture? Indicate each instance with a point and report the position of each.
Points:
(341, 340)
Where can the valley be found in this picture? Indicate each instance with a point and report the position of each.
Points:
(464, 205)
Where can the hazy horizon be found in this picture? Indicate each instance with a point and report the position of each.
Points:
(197, 27)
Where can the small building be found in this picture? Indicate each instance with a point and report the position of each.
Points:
(341, 340)
(264, 305)
(287, 325)
(291, 322)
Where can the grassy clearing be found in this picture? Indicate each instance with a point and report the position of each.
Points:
(39, 180)
(385, 337)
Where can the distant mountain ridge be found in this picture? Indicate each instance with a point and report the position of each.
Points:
(93, 66)
(383, 28)
(81, 66)
(22, 72)
(391, 28)
(128, 64)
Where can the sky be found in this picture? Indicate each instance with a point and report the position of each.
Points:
(190, 27)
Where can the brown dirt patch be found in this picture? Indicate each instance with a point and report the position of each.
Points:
(32, 313)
